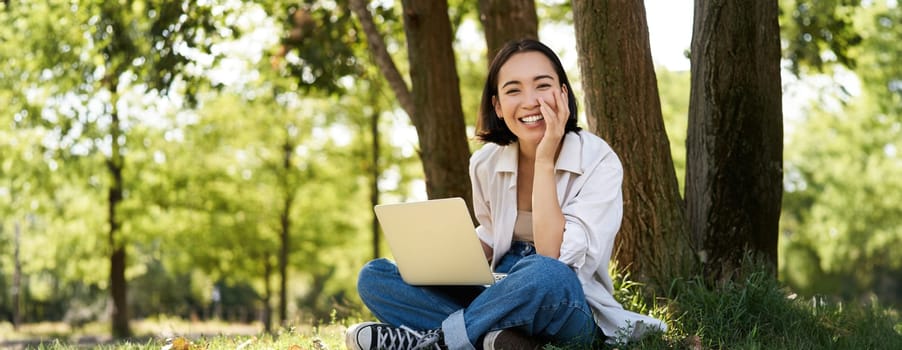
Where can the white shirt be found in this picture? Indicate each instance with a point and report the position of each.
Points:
(589, 177)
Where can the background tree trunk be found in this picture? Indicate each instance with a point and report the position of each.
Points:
(289, 191)
(118, 284)
(267, 294)
(735, 137)
(505, 20)
(375, 174)
(622, 106)
(17, 278)
(382, 58)
(439, 118)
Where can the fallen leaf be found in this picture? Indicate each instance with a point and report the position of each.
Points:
(179, 343)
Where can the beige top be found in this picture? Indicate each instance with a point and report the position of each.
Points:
(523, 226)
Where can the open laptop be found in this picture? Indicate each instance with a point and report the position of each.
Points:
(434, 243)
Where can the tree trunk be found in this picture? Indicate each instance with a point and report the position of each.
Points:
(267, 294)
(285, 230)
(735, 137)
(375, 172)
(118, 284)
(17, 278)
(623, 107)
(439, 117)
(506, 20)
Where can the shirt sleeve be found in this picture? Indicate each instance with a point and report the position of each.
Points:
(593, 215)
(480, 206)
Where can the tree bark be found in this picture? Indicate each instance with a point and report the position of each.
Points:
(16, 292)
(623, 107)
(735, 137)
(288, 191)
(439, 117)
(506, 20)
(375, 173)
(267, 294)
(118, 283)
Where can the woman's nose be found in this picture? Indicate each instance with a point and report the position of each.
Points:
(533, 98)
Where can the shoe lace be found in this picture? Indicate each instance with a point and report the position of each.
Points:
(406, 338)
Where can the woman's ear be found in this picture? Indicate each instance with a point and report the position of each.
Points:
(497, 106)
(564, 90)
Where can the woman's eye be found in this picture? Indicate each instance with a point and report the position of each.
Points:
(544, 86)
(512, 91)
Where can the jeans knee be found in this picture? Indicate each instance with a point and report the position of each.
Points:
(373, 274)
(543, 265)
(552, 271)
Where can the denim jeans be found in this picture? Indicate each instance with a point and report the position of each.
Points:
(540, 297)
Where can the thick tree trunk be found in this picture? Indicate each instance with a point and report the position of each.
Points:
(506, 20)
(623, 107)
(118, 283)
(735, 137)
(439, 118)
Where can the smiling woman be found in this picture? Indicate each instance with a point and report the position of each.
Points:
(549, 204)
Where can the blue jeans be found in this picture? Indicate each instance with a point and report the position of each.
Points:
(540, 297)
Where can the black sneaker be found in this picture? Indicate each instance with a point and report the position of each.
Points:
(507, 339)
(380, 336)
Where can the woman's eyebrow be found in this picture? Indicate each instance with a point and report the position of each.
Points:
(510, 83)
(544, 76)
(537, 78)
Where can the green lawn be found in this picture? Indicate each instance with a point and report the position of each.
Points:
(755, 313)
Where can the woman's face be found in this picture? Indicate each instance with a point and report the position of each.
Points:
(524, 79)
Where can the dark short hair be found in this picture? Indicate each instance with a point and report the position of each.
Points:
(490, 128)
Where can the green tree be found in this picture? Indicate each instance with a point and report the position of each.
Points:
(819, 33)
(841, 212)
(118, 49)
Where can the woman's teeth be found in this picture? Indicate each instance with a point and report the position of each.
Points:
(531, 119)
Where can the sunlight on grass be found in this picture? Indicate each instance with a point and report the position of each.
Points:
(172, 334)
(754, 312)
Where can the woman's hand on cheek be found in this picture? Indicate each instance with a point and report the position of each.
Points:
(555, 124)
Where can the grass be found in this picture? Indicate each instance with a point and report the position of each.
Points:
(752, 313)
(757, 313)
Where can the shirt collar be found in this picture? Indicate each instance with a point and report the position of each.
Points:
(570, 158)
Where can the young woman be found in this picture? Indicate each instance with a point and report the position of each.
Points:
(549, 204)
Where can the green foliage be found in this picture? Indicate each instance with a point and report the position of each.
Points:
(880, 61)
(819, 33)
(674, 93)
(841, 217)
(204, 187)
(320, 43)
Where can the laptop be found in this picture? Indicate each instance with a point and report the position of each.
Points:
(434, 243)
